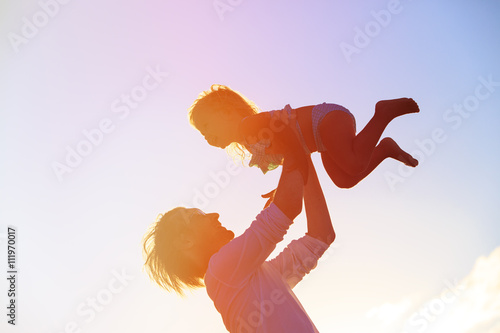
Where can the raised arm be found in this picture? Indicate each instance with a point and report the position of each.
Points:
(302, 255)
(239, 259)
(319, 224)
(290, 191)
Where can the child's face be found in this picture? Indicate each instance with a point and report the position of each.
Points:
(220, 130)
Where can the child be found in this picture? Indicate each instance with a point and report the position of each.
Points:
(225, 117)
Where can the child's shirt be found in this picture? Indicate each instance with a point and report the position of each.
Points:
(255, 295)
(267, 162)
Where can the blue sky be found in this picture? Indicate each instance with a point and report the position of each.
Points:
(404, 237)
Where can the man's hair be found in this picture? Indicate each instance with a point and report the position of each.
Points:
(164, 262)
(220, 98)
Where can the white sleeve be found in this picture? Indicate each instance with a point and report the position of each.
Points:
(241, 257)
(299, 258)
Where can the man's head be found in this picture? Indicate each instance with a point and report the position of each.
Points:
(179, 245)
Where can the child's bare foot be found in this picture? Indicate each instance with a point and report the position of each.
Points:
(392, 108)
(394, 151)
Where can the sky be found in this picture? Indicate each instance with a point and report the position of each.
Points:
(95, 143)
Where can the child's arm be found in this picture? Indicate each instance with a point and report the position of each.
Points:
(282, 139)
(262, 127)
(252, 128)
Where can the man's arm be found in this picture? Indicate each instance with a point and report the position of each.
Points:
(319, 224)
(238, 259)
(290, 191)
(302, 255)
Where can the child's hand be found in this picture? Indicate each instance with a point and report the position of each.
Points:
(287, 115)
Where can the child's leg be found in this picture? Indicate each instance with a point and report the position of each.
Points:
(339, 177)
(351, 152)
(386, 148)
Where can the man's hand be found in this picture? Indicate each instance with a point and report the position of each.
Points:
(269, 195)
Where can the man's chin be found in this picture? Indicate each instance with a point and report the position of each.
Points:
(230, 235)
(225, 238)
(225, 235)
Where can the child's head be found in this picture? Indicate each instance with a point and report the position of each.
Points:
(165, 263)
(217, 112)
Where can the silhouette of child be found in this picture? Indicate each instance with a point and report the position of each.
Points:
(226, 118)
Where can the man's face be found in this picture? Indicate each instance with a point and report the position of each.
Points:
(207, 232)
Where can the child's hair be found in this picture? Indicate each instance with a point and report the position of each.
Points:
(164, 263)
(221, 98)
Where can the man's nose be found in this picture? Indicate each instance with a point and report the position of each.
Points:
(214, 216)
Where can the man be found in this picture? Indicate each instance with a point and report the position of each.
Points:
(187, 248)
